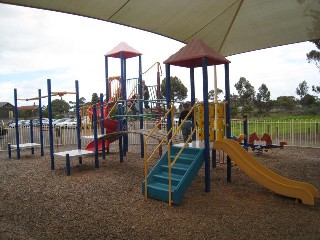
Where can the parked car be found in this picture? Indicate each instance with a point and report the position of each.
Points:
(69, 123)
(56, 121)
(23, 123)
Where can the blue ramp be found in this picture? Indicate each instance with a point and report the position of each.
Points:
(183, 172)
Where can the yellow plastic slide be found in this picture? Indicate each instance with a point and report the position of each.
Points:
(264, 176)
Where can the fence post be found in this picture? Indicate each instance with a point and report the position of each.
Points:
(292, 133)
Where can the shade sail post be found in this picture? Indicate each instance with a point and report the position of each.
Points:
(206, 124)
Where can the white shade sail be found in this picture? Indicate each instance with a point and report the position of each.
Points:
(227, 26)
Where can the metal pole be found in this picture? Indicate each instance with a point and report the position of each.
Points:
(102, 126)
(120, 129)
(206, 124)
(245, 132)
(192, 97)
(50, 124)
(16, 121)
(124, 96)
(228, 119)
(141, 107)
(31, 135)
(41, 124)
(107, 76)
(78, 118)
(95, 134)
(168, 98)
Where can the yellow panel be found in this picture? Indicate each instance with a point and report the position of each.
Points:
(220, 112)
(201, 134)
(220, 135)
(219, 123)
(211, 136)
(201, 124)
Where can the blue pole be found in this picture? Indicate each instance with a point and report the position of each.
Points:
(206, 124)
(192, 96)
(245, 132)
(107, 76)
(141, 107)
(50, 124)
(9, 150)
(123, 93)
(78, 118)
(228, 119)
(168, 98)
(31, 135)
(125, 122)
(95, 134)
(67, 164)
(214, 158)
(16, 121)
(120, 129)
(102, 126)
(41, 124)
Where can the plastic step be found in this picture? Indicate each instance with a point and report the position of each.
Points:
(177, 168)
(163, 178)
(183, 159)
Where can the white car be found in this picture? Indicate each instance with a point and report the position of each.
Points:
(69, 123)
(23, 123)
(56, 121)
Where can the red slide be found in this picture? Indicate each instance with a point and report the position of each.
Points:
(110, 127)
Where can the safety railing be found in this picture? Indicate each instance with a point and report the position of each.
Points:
(150, 135)
(171, 163)
(298, 133)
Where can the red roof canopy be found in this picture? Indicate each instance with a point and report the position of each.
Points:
(128, 51)
(191, 56)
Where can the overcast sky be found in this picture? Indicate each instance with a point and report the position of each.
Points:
(36, 45)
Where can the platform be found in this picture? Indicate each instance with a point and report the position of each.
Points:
(73, 153)
(26, 145)
(194, 144)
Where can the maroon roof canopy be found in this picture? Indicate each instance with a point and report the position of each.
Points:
(191, 56)
(128, 51)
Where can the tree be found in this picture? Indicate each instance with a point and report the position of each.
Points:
(263, 102)
(246, 94)
(211, 93)
(314, 57)
(59, 107)
(308, 101)
(286, 102)
(234, 99)
(82, 102)
(95, 98)
(302, 90)
(178, 91)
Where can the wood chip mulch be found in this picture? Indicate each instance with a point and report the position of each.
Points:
(107, 203)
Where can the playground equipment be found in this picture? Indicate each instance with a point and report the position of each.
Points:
(71, 153)
(29, 145)
(263, 144)
(254, 142)
(119, 92)
(174, 172)
(264, 176)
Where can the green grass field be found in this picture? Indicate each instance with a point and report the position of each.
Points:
(278, 126)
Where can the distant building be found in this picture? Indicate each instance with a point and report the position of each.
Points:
(28, 111)
(6, 110)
